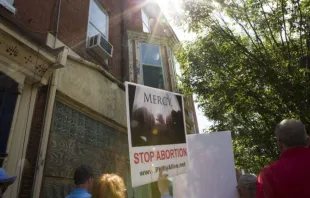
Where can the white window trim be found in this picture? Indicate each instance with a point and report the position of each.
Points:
(161, 62)
(105, 12)
(8, 6)
(148, 25)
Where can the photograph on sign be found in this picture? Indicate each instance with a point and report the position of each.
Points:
(156, 133)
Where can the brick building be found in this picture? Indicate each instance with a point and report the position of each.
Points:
(190, 116)
(62, 68)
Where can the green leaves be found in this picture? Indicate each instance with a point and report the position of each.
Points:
(249, 70)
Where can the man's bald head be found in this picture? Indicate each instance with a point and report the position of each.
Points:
(292, 133)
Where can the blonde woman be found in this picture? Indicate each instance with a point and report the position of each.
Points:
(109, 186)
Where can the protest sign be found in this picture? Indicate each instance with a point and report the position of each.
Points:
(156, 133)
(211, 168)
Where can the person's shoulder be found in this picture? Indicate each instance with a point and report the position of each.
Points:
(166, 196)
(76, 194)
(271, 166)
(69, 196)
(268, 170)
(307, 150)
(87, 195)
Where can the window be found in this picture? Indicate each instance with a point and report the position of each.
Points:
(8, 4)
(152, 70)
(98, 20)
(145, 22)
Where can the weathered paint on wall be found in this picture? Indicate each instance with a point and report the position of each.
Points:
(87, 85)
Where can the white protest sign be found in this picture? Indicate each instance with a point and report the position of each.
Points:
(156, 133)
(211, 168)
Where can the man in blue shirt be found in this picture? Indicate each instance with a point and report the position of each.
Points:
(5, 181)
(83, 179)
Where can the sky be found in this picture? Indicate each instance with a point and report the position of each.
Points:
(170, 8)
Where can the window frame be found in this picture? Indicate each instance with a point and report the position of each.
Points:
(90, 23)
(148, 25)
(148, 65)
(8, 5)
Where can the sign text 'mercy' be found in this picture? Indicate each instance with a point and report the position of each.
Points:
(154, 99)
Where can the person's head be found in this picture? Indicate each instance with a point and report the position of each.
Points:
(247, 186)
(291, 133)
(83, 177)
(109, 186)
(5, 181)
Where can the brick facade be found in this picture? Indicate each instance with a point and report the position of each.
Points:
(38, 18)
(35, 19)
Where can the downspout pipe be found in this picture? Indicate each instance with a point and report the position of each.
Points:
(124, 47)
(57, 23)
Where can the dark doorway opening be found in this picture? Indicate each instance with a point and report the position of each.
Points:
(8, 97)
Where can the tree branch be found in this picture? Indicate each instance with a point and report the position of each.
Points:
(280, 30)
(285, 32)
(253, 28)
(268, 24)
(236, 42)
(300, 27)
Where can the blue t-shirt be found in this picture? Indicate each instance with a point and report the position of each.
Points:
(79, 193)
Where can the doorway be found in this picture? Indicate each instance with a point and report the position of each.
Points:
(8, 97)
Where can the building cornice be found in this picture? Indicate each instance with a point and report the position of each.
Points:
(152, 39)
(23, 56)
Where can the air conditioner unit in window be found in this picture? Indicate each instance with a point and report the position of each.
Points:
(100, 46)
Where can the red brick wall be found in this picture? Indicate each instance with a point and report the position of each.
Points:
(38, 17)
(134, 18)
(73, 30)
(33, 17)
(33, 144)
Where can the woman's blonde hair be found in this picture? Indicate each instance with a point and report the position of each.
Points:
(109, 186)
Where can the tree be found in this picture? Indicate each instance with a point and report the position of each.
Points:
(249, 67)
